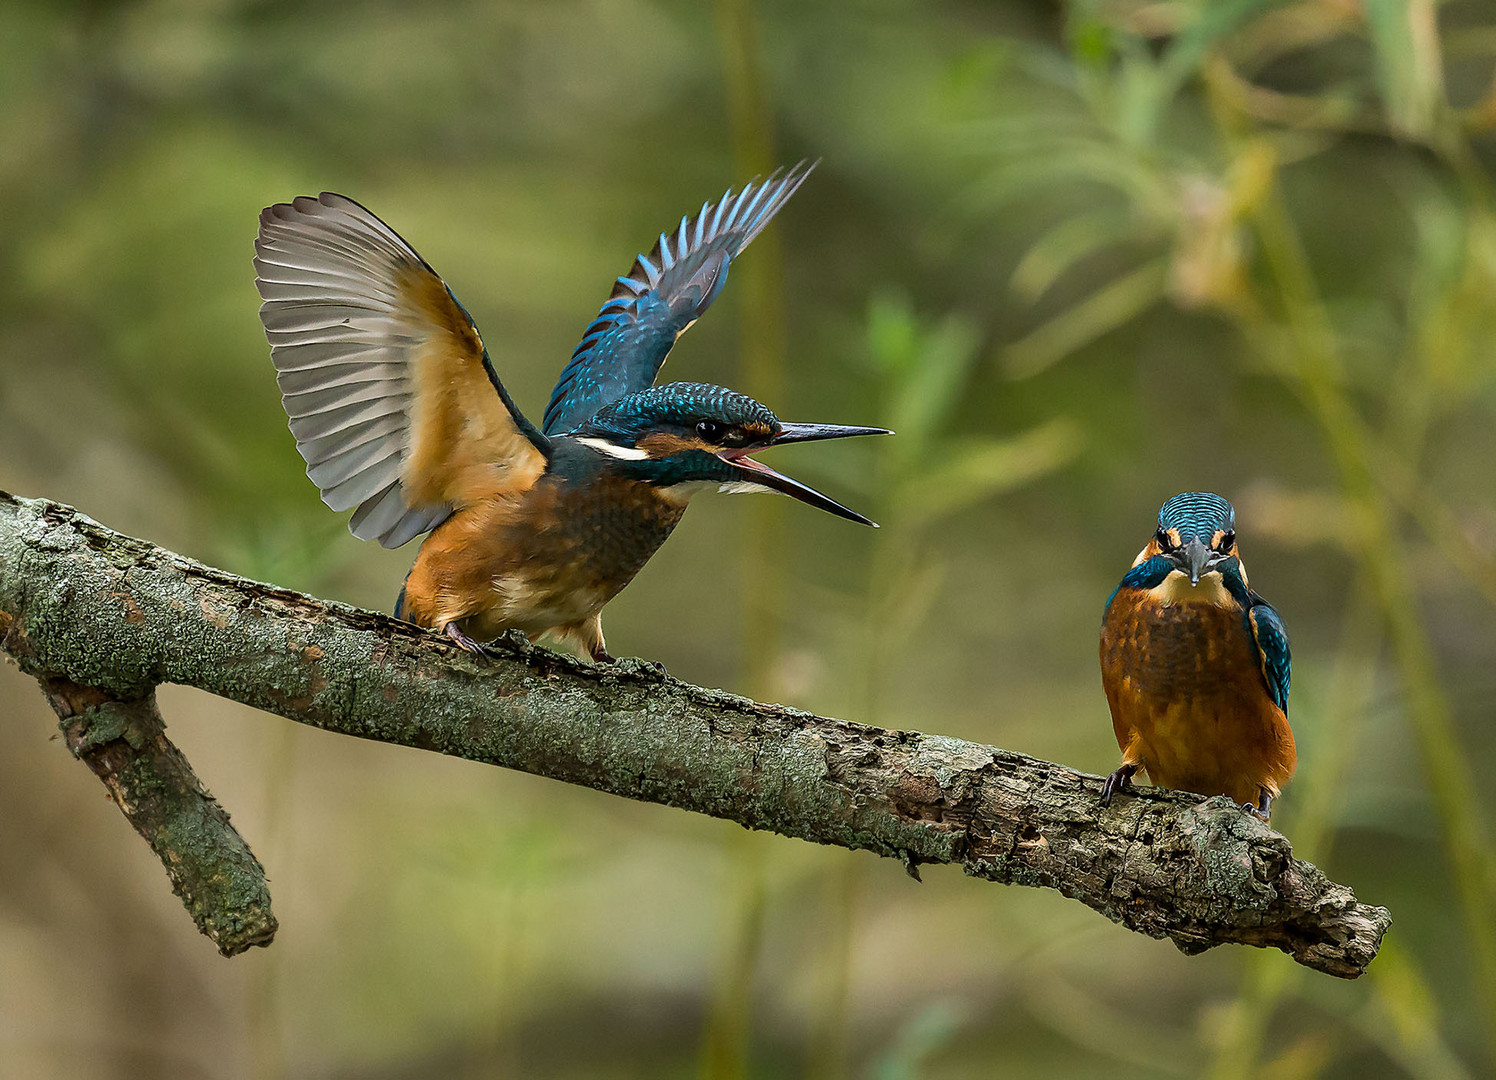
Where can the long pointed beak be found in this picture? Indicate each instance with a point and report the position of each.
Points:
(1194, 560)
(756, 472)
(813, 432)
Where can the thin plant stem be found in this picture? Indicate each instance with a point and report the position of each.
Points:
(761, 345)
(1267, 982)
(266, 999)
(759, 284)
(1313, 370)
(830, 1051)
(727, 1047)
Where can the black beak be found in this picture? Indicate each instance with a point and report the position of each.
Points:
(1194, 559)
(813, 432)
(756, 472)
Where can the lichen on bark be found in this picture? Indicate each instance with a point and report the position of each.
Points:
(211, 868)
(82, 603)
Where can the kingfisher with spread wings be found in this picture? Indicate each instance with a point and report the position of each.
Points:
(402, 419)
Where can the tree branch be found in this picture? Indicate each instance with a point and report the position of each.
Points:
(82, 603)
(211, 868)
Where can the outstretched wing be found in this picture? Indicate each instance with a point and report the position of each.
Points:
(390, 392)
(658, 300)
(1272, 648)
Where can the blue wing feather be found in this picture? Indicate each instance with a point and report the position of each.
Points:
(622, 350)
(1144, 576)
(1272, 646)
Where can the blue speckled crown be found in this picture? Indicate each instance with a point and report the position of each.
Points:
(681, 404)
(1197, 513)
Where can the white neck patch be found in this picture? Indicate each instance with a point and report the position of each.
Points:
(681, 493)
(1176, 589)
(613, 450)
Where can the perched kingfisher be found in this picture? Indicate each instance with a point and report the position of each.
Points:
(1196, 665)
(401, 417)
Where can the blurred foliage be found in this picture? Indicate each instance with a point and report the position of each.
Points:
(1080, 256)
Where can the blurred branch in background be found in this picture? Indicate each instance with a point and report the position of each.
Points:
(1313, 819)
(1373, 537)
(761, 329)
(920, 481)
(727, 1043)
(105, 611)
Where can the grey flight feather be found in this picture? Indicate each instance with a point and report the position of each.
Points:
(343, 343)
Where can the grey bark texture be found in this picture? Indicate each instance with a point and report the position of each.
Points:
(86, 607)
(211, 868)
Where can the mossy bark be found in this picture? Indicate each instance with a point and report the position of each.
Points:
(211, 868)
(102, 610)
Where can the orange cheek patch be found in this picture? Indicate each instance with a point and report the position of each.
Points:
(663, 444)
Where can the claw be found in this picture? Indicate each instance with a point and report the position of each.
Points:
(1120, 780)
(461, 640)
(1264, 808)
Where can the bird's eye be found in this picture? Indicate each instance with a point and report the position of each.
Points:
(1163, 540)
(709, 430)
(1227, 539)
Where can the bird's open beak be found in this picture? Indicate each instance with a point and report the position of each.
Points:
(755, 472)
(1195, 559)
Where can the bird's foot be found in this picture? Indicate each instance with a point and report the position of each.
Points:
(1252, 808)
(462, 641)
(1120, 780)
(1263, 808)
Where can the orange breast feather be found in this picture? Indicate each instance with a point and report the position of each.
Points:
(1188, 700)
(547, 557)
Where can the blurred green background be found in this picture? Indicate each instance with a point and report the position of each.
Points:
(1081, 256)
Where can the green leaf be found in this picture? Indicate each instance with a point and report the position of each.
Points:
(1071, 242)
(1405, 35)
(892, 333)
(927, 393)
(1114, 304)
(917, 1038)
(971, 470)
